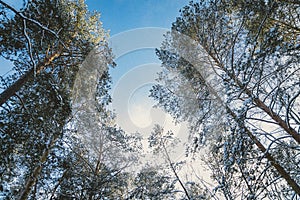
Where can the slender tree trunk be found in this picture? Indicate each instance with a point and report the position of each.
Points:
(284, 174)
(16, 86)
(175, 173)
(272, 160)
(32, 179)
(259, 103)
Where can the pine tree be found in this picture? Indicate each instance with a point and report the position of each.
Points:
(232, 71)
(46, 41)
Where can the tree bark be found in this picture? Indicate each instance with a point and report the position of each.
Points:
(260, 104)
(16, 86)
(175, 173)
(272, 160)
(284, 174)
(32, 179)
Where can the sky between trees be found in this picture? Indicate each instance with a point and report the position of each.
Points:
(226, 72)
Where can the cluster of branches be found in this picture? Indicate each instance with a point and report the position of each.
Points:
(231, 69)
(58, 139)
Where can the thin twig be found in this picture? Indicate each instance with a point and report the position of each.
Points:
(29, 47)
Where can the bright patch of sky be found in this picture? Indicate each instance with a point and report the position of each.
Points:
(133, 44)
(6, 66)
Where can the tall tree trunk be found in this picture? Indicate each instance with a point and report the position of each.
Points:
(32, 179)
(175, 173)
(259, 103)
(16, 86)
(284, 174)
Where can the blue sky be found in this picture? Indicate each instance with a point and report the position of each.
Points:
(136, 70)
(122, 15)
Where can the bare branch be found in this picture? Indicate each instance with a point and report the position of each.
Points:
(29, 46)
(32, 21)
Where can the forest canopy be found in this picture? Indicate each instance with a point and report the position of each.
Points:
(230, 69)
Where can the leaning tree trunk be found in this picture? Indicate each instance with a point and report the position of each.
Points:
(16, 86)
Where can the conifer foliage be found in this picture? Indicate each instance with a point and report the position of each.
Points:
(231, 69)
